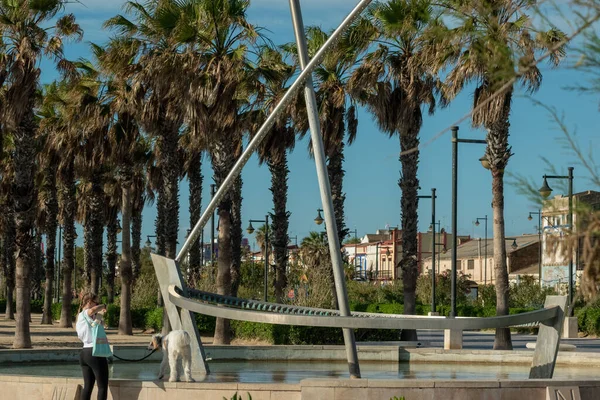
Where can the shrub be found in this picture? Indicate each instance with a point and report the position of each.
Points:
(145, 291)
(528, 294)
(205, 323)
(368, 292)
(592, 321)
(153, 319)
(111, 318)
(36, 306)
(57, 308)
(486, 296)
(442, 288)
(3, 305)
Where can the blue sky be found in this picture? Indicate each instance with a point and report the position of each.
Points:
(372, 166)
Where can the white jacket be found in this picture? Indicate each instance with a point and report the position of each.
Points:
(84, 330)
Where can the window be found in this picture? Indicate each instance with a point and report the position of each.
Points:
(471, 264)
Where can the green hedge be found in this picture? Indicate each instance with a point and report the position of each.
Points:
(299, 335)
(57, 307)
(588, 319)
(3, 305)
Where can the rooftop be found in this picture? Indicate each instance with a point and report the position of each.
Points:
(471, 248)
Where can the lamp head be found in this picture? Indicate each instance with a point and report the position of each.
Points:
(250, 229)
(514, 244)
(485, 162)
(319, 219)
(545, 190)
(148, 243)
(476, 222)
(119, 229)
(387, 251)
(530, 217)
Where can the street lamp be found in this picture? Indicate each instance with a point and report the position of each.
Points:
(539, 214)
(545, 191)
(148, 243)
(485, 163)
(319, 219)
(514, 244)
(432, 197)
(250, 230)
(486, 246)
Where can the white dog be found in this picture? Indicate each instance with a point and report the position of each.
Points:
(175, 345)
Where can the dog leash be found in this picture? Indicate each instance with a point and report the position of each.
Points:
(129, 360)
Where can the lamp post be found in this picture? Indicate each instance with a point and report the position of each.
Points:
(250, 230)
(545, 191)
(439, 235)
(484, 161)
(539, 214)
(148, 242)
(485, 256)
(432, 197)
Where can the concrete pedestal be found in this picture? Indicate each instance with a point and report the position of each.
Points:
(570, 328)
(453, 339)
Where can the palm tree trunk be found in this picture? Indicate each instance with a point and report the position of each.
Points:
(171, 184)
(69, 207)
(136, 239)
(279, 188)
(25, 213)
(88, 261)
(498, 153)
(409, 204)
(125, 323)
(9, 253)
(222, 328)
(222, 158)
(335, 169)
(236, 235)
(51, 225)
(97, 226)
(195, 207)
(159, 223)
(111, 256)
(37, 273)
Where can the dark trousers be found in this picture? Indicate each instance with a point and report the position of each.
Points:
(95, 369)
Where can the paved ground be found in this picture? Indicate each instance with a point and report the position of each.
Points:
(51, 336)
(485, 340)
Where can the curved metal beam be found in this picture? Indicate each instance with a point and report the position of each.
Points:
(374, 321)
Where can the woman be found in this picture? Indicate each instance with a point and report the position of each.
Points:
(95, 369)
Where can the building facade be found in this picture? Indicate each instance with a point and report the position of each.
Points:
(555, 263)
(472, 260)
(378, 255)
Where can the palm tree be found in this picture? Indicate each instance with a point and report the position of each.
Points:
(156, 93)
(394, 82)
(23, 27)
(7, 223)
(494, 41)
(314, 252)
(276, 73)
(60, 117)
(192, 147)
(48, 195)
(217, 38)
(140, 196)
(111, 215)
(337, 113)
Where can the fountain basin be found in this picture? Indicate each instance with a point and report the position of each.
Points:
(308, 372)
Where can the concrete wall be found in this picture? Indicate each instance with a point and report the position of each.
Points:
(36, 388)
